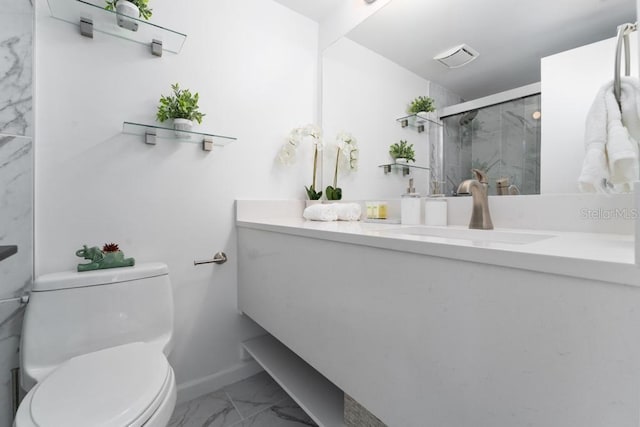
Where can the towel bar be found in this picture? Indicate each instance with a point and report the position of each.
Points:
(623, 38)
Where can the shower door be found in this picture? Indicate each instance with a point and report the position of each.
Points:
(503, 140)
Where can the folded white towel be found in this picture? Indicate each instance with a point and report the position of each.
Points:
(611, 137)
(321, 212)
(348, 211)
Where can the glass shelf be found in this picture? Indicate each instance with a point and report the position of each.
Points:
(405, 167)
(104, 21)
(152, 132)
(418, 121)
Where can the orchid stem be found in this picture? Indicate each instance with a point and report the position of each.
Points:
(335, 174)
(315, 163)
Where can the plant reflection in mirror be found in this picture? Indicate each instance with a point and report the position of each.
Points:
(346, 153)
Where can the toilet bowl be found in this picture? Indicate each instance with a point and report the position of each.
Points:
(129, 385)
(94, 351)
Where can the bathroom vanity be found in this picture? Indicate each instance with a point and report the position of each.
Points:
(442, 326)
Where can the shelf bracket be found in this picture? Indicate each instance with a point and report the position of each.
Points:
(387, 169)
(127, 24)
(406, 171)
(86, 27)
(207, 144)
(150, 138)
(156, 47)
(420, 128)
(404, 123)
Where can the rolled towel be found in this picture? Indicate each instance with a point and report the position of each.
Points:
(320, 213)
(348, 211)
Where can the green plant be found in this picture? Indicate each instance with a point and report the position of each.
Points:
(143, 6)
(402, 150)
(312, 194)
(347, 150)
(422, 103)
(181, 105)
(333, 193)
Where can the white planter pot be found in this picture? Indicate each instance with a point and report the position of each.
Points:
(402, 161)
(182, 125)
(125, 10)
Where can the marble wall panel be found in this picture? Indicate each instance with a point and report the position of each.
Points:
(16, 74)
(16, 182)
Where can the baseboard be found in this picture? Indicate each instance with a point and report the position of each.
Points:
(199, 387)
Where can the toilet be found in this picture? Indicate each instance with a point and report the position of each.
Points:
(93, 349)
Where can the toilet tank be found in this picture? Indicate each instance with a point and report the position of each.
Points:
(73, 313)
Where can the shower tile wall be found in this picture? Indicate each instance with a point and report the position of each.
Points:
(443, 97)
(503, 140)
(16, 180)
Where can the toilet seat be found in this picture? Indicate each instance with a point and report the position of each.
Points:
(114, 387)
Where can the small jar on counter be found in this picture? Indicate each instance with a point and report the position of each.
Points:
(376, 210)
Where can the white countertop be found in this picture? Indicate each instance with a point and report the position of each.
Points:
(595, 256)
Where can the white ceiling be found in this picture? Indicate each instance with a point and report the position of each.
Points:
(510, 35)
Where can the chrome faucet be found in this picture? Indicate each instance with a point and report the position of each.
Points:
(479, 189)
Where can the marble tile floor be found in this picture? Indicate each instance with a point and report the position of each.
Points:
(257, 401)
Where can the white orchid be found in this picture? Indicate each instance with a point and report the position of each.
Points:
(287, 155)
(353, 159)
(312, 131)
(295, 136)
(345, 140)
(347, 145)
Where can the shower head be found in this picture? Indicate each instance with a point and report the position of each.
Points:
(467, 117)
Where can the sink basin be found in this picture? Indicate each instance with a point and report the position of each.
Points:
(480, 236)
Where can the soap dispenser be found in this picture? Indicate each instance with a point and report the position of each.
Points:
(410, 206)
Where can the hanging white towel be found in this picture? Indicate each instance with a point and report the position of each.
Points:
(611, 139)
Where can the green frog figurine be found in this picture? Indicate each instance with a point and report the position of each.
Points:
(109, 257)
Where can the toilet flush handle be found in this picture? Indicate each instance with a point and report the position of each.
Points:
(218, 258)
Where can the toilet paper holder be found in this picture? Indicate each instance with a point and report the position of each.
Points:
(218, 258)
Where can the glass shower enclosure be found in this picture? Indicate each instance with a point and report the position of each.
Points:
(502, 139)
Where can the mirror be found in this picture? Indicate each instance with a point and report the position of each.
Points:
(371, 74)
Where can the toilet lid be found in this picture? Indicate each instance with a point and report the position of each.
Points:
(111, 387)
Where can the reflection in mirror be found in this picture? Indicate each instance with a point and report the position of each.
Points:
(370, 75)
(510, 36)
(502, 140)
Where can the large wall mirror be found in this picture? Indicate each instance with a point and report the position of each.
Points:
(371, 74)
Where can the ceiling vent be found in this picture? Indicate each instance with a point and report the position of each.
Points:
(457, 56)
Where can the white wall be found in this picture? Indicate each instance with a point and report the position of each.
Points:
(345, 18)
(364, 93)
(254, 63)
(570, 81)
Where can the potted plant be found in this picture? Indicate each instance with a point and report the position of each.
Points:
(182, 107)
(421, 106)
(347, 151)
(287, 154)
(402, 152)
(129, 8)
